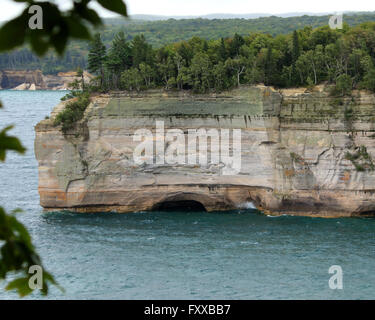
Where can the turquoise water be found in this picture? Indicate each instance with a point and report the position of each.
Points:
(180, 255)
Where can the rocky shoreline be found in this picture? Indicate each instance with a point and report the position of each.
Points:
(302, 153)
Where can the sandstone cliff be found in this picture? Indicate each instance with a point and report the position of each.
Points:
(20, 80)
(301, 153)
(35, 80)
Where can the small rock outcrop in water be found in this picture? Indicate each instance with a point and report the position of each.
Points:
(301, 153)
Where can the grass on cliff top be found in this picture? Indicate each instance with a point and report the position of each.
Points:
(73, 112)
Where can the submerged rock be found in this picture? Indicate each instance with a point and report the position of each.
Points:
(300, 153)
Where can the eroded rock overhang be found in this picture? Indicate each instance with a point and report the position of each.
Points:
(294, 153)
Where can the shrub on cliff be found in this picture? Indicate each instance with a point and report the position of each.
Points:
(343, 87)
(73, 112)
(369, 80)
(361, 159)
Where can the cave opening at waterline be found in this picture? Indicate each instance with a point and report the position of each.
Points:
(180, 205)
(367, 214)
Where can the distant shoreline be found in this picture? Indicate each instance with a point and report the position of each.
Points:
(30, 80)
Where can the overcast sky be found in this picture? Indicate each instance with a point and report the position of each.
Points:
(10, 9)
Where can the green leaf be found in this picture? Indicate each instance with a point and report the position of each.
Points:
(47, 277)
(12, 34)
(117, 6)
(91, 16)
(77, 29)
(15, 211)
(23, 234)
(21, 285)
(9, 143)
(59, 41)
(58, 26)
(38, 44)
(17, 254)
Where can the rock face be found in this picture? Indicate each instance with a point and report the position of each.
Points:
(35, 80)
(62, 80)
(21, 80)
(301, 153)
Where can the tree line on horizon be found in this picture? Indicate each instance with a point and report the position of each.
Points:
(306, 57)
(161, 33)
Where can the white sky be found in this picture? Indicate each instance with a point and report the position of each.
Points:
(10, 9)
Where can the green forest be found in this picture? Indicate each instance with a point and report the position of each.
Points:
(161, 33)
(306, 57)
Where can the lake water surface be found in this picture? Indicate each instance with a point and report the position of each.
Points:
(179, 255)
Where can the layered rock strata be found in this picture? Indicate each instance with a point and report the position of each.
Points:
(301, 153)
(36, 80)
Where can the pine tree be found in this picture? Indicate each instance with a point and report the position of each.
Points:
(236, 44)
(296, 49)
(96, 58)
(295, 56)
(119, 57)
(222, 51)
(268, 67)
(141, 51)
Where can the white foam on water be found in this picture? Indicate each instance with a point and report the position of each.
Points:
(247, 205)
